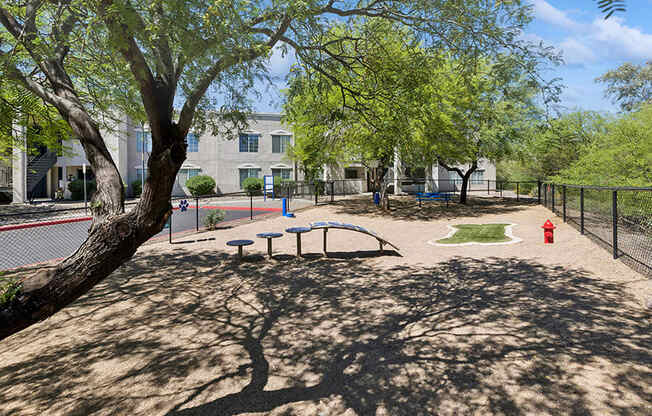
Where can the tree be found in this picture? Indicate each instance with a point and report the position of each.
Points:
(629, 84)
(620, 155)
(549, 146)
(92, 60)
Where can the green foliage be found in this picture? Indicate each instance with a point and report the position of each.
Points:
(213, 217)
(620, 156)
(23, 112)
(629, 84)
(545, 149)
(252, 185)
(201, 185)
(9, 288)
(136, 188)
(76, 189)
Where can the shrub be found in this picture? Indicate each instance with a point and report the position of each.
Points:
(201, 185)
(76, 189)
(214, 217)
(136, 188)
(253, 185)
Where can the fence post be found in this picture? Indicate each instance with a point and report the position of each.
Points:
(316, 193)
(333, 191)
(539, 192)
(502, 185)
(545, 195)
(563, 201)
(553, 197)
(171, 214)
(581, 210)
(488, 184)
(614, 221)
(197, 213)
(251, 206)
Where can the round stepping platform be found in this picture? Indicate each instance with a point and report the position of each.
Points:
(269, 237)
(239, 244)
(298, 231)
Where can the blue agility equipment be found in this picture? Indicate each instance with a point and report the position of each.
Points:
(298, 231)
(326, 225)
(377, 198)
(183, 205)
(434, 196)
(269, 237)
(239, 244)
(285, 209)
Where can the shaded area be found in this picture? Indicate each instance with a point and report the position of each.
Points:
(198, 334)
(407, 208)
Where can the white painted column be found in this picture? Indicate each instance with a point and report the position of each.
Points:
(430, 185)
(19, 165)
(397, 174)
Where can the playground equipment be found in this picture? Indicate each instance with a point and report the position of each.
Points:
(326, 225)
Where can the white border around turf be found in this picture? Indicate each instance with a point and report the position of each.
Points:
(453, 230)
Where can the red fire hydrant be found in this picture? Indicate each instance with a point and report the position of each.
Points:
(548, 235)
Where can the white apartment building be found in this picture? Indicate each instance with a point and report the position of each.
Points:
(259, 150)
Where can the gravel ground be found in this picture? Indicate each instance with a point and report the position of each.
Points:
(184, 329)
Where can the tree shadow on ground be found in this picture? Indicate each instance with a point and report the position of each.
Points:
(190, 336)
(407, 208)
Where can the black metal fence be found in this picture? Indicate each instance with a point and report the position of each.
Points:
(507, 189)
(41, 234)
(617, 218)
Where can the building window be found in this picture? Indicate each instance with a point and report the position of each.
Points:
(248, 142)
(351, 173)
(280, 144)
(193, 143)
(477, 177)
(185, 174)
(139, 174)
(139, 141)
(282, 173)
(248, 173)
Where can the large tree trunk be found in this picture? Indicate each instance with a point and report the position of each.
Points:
(111, 241)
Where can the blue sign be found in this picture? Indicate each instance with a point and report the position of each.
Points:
(183, 205)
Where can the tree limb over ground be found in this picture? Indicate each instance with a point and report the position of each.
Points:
(96, 59)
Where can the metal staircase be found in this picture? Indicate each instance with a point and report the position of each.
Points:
(37, 168)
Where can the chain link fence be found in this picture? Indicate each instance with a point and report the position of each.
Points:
(617, 218)
(36, 235)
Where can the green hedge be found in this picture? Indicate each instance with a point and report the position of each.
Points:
(253, 185)
(201, 185)
(76, 189)
(136, 188)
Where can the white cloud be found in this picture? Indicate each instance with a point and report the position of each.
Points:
(620, 41)
(548, 13)
(576, 53)
(599, 40)
(280, 61)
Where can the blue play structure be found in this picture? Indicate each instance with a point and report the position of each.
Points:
(434, 196)
(286, 213)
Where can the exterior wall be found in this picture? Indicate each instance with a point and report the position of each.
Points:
(225, 167)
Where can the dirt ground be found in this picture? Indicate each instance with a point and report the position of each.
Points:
(184, 329)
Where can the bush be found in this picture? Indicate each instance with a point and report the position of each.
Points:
(253, 185)
(201, 185)
(214, 217)
(76, 189)
(136, 188)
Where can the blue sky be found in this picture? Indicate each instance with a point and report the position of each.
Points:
(590, 45)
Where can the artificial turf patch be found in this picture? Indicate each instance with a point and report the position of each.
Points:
(477, 233)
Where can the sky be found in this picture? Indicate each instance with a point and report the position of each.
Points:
(590, 46)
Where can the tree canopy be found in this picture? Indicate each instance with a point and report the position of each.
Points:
(629, 85)
(168, 62)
